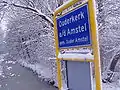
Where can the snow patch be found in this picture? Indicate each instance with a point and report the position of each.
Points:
(41, 70)
(107, 86)
(1, 60)
(12, 74)
(64, 88)
(1, 70)
(85, 54)
(10, 62)
(111, 86)
(9, 68)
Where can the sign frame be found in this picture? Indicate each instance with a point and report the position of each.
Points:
(94, 37)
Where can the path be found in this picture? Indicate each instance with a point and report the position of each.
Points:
(16, 77)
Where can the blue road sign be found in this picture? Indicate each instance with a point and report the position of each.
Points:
(74, 29)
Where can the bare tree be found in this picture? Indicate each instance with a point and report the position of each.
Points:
(30, 6)
(30, 32)
(108, 20)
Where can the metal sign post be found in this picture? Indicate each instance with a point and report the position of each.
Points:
(77, 29)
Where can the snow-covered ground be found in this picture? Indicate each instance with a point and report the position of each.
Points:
(15, 77)
(40, 70)
(112, 86)
(45, 73)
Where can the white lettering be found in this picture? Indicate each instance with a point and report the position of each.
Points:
(64, 33)
(82, 39)
(59, 23)
(76, 18)
(68, 32)
(72, 19)
(82, 28)
(77, 29)
(70, 41)
(60, 34)
(62, 43)
(82, 15)
(85, 27)
(72, 31)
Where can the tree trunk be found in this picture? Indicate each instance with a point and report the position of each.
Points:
(114, 62)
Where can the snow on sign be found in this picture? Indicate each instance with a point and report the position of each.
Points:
(74, 29)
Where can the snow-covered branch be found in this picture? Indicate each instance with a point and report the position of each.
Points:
(47, 6)
(38, 12)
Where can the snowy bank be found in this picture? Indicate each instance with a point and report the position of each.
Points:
(42, 71)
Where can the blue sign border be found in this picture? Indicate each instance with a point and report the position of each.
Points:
(88, 19)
